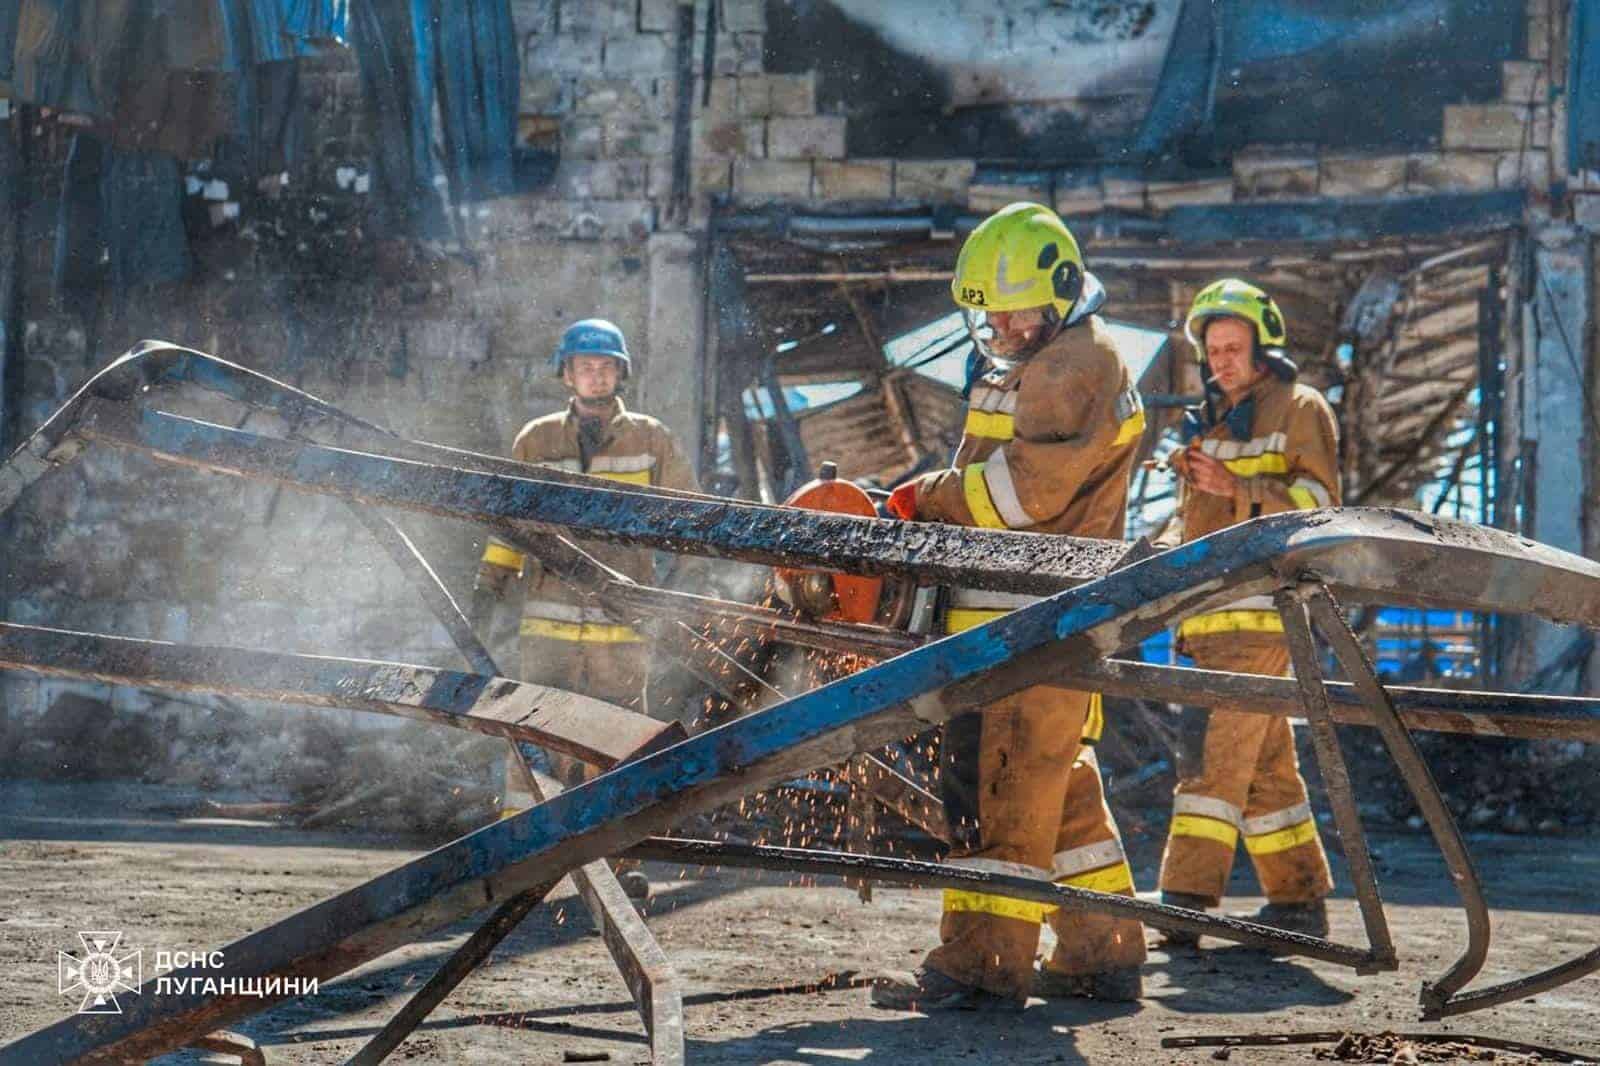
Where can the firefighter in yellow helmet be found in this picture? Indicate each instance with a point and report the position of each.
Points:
(1260, 444)
(565, 642)
(1053, 422)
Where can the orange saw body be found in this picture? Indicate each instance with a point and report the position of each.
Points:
(827, 595)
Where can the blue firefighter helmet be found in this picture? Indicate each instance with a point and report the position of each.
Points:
(591, 336)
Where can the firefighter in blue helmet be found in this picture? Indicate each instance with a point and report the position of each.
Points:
(565, 642)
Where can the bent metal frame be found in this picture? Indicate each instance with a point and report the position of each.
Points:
(1100, 597)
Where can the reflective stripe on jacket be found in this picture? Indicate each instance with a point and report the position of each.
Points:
(636, 450)
(1049, 444)
(1290, 462)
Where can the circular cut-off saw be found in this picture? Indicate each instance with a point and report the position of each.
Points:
(827, 595)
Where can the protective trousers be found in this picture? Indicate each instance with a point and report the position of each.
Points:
(1040, 813)
(610, 671)
(1249, 783)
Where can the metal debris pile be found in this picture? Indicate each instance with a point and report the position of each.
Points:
(1392, 1048)
(1098, 597)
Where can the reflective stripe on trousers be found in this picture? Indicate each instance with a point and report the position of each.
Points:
(591, 632)
(1115, 875)
(1253, 614)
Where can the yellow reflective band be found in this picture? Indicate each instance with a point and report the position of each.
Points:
(500, 555)
(1282, 839)
(1115, 878)
(1130, 430)
(1024, 910)
(979, 501)
(1251, 465)
(1198, 825)
(632, 477)
(960, 619)
(995, 425)
(1302, 498)
(1231, 622)
(589, 632)
(1094, 726)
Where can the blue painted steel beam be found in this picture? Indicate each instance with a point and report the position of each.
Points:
(1390, 555)
(1323, 221)
(1439, 214)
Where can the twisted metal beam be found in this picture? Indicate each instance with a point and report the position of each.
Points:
(1379, 554)
(598, 733)
(1367, 556)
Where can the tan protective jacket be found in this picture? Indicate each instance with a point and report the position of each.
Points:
(1290, 462)
(636, 450)
(1049, 444)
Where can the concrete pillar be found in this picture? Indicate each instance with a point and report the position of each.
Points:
(672, 374)
(1557, 431)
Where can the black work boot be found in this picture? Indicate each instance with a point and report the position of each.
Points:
(1182, 938)
(929, 990)
(1308, 918)
(1122, 985)
(635, 885)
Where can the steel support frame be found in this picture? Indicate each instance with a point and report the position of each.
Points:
(862, 711)
(530, 716)
(639, 959)
(1370, 556)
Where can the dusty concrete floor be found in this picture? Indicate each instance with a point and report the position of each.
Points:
(745, 946)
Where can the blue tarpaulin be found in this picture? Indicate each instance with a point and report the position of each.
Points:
(479, 86)
(1275, 71)
(159, 81)
(121, 218)
(316, 23)
(289, 29)
(1583, 88)
(461, 54)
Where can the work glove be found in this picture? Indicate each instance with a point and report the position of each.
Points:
(494, 580)
(902, 502)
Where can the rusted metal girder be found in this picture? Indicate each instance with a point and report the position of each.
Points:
(920, 874)
(1331, 623)
(640, 960)
(1335, 774)
(1379, 554)
(592, 730)
(644, 966)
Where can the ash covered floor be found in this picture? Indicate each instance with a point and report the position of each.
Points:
(749, 949)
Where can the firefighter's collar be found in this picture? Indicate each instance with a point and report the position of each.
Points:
(1092, 299)
(1202, 419)
(613, 412)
